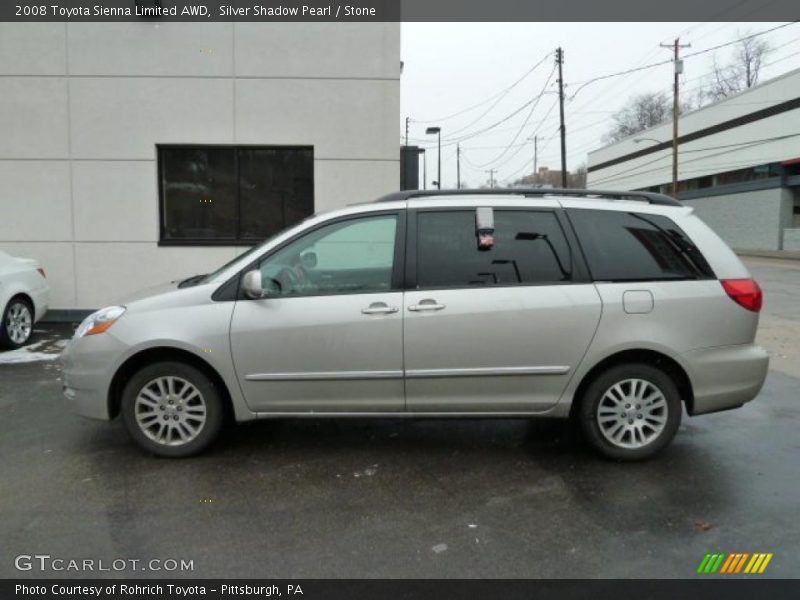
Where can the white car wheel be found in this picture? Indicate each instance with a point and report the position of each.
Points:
(17, 325)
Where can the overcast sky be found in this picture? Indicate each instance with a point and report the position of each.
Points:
(450, 67)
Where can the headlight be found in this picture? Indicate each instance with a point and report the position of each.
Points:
(99, 321)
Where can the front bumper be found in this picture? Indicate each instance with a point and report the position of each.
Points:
(726, 376)
(89, 366)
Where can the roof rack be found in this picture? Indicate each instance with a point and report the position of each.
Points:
(649, 197)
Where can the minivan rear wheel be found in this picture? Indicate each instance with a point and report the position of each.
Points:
(630, 412)
(172, 409)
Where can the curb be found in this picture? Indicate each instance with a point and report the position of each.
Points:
(779, 254)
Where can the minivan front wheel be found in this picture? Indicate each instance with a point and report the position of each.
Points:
(631, 412)
(172, 409)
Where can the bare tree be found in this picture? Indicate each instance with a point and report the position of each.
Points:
(641, 112)
(577, 179)
(741, 71)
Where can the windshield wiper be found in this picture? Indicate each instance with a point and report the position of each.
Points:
(193, 280)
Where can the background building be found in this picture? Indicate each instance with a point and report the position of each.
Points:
(133, 153)
(739, 164)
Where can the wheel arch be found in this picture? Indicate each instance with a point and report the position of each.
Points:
(25, 296)
(638, 355)
(149, 356)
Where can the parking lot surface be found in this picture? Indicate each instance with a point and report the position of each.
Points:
(394, 498)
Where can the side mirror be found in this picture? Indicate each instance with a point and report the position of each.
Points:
(309, 259)
(255, 287)
(252, 286)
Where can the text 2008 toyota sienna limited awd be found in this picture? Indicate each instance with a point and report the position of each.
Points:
(615, 309)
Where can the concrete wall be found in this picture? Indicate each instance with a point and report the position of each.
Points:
(747, 220)
(791, 239)
(82, 106)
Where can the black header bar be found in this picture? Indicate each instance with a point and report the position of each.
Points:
(397, 10)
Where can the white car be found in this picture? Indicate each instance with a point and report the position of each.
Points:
(24, 296)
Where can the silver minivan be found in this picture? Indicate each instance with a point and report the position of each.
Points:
(616, 309)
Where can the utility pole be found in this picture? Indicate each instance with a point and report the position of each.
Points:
(560, 62)
(491, 173)
(458, 166)
(407, 120)
(424, 170)
(678, 64)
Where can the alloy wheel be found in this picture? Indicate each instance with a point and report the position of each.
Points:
(19, 323)
(170, 411)
(632, 413)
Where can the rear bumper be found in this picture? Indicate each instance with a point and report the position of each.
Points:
(41, 302)
(725, 377)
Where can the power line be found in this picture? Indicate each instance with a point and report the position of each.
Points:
(527, 118)
(501, 94)
(456, 140)
(541, 149)
(690, 90)
(494, 104)
(583, 84)
(707, 74)
(536, 131)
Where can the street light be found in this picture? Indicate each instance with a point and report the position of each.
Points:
(424, 168)
(438, 132)
(640, 140)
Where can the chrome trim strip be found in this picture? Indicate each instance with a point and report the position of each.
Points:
(325, 376)
(311, 414)
(486, 372)
(411, 374)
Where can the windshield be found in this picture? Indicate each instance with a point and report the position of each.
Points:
(254, 250)
(250, 253)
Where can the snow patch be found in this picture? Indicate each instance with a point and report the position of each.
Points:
(33, 353)
(368, 472)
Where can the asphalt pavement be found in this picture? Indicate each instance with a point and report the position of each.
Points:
(395, 498)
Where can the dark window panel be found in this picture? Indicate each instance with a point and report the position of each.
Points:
(623, 246)
(276, 189)
(199, 193)
(530, 248)
(220, 193)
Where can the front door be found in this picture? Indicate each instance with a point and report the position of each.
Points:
(328, 339)
(497, 329)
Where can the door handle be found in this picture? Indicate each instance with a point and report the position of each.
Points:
(379, 308)
(427, 304)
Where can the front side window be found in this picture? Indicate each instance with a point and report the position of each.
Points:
(529, 248)
(348, 257)
(621, 246)
(218, 194)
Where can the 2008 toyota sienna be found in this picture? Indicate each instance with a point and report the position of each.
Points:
(616, 309)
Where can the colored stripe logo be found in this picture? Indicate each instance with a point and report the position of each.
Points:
(735, 562)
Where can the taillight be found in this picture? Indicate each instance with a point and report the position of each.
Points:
(41, 271)
(745, 292)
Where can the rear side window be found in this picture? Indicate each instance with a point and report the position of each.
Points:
(530, 248)
(621, 246)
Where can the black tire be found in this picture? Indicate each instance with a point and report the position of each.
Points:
(5, 338)
(210, 397)
(630, 418)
